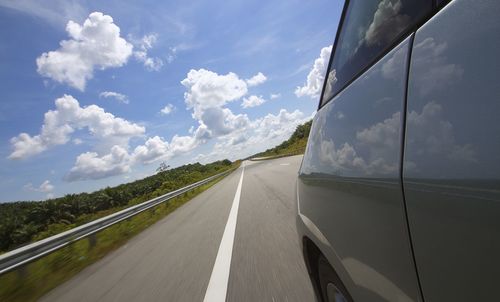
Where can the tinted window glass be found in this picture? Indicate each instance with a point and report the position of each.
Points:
(368, 29)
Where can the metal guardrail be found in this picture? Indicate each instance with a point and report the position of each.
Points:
(23, 255)
(291, 153)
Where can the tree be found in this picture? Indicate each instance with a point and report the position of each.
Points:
(163, 167)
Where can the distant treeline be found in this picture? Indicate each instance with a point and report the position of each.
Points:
(25, 221)
(296, 144)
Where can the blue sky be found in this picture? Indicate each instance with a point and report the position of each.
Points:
(96, 94)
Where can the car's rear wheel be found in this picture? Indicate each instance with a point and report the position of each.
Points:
(331, 288)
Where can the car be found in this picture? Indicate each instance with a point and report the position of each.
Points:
(398, 193)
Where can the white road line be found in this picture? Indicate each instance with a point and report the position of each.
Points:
(217, 286)
(285, 164)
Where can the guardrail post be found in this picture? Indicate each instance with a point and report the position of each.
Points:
(22, 272)
(92, 240)
(12, 260)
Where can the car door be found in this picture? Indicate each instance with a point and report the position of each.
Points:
(350, 180)
(452, 152)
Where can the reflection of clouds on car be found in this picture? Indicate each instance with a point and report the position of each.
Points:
(433, 135)
(387, 22)
(377, 144)
(431, 62)
(373, 151)
(392, 68)
(331, 80)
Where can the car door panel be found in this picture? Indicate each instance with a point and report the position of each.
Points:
(452, 152)
(349, 183)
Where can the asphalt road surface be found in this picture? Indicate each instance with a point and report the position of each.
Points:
(234, 242)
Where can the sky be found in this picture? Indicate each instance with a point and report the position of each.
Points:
(95, 94)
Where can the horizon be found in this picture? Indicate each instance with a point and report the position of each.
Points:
(99, 94)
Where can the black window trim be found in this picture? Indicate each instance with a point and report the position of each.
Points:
(334, 47)
(404, 34)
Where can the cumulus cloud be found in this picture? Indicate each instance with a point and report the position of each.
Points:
(90, 166)
(207, 95)
(257, 79)
(207, 89)
(316, 76)
(167, 109)
(114, 95)
(153, 149)
(69, 116)
(258, 135)
(45, 187)
(252, 101)
(144, 45)
(94, 44)
(222, 121)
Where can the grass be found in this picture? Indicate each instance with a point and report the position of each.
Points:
(32, 281)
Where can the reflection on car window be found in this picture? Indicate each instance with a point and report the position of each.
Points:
(369, 28)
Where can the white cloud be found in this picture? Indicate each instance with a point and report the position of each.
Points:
(207, 89)
(167, 109)
(257, 79)
(45, 187)
(237, 136)
(115, 95)
(252, 101)
(316, 76)
(68, 116)
(77, 141)
(206, 95)
(90, 166)
(145, 44)
(153, 149)
(222, 121)
(95, 44)
(258, 135)
(274, 96)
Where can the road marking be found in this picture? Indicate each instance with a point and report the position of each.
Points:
(285, 164)
(217, 286)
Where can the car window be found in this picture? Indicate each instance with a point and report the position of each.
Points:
(368, 29)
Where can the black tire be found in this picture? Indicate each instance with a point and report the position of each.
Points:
(331, 288)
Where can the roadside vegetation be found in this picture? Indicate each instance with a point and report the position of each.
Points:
(32, 281)
(27, 221)
(295, 145)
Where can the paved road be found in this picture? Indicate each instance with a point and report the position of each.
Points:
(174, 259)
